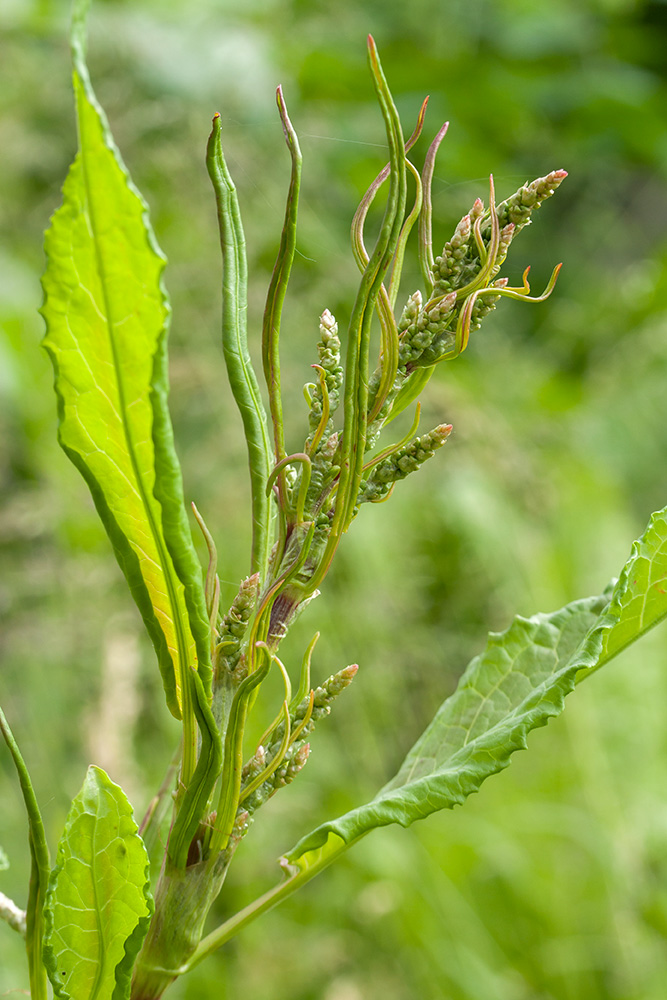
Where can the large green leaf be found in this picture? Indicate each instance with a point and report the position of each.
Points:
(517, 684)
(98, 905)
(107, 315)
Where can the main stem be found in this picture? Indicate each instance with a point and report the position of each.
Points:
(182, 901)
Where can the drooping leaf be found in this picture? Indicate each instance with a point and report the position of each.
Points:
(98, 905)
(517, 684)
(107, 316)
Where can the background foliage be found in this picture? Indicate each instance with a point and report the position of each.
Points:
(552, 883)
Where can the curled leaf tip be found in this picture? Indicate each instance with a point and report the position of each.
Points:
(372, 50)
(422, 112)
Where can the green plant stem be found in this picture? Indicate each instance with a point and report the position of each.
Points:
(40, 868)
(230, 785)
(192, 807)
(426, 261)
(242, 378)
(387, 298)
(183, 899)
(263, 904)
(356, 369)
(278, 289)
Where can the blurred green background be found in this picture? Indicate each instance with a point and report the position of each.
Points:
(552, 883)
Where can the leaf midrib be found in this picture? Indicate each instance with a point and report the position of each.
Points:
(165, 560)
(101, 948)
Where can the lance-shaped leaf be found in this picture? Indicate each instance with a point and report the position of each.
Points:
(517, 684)
(98, 905)
(107, 314)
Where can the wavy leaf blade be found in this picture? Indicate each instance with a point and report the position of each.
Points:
(516, 685)
(98, 905)
(107, 316)
(640, 596)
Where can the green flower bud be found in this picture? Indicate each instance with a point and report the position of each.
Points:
(234, 625)
(256, 764)
(429, 326)
(322, 472)
(485, 304)
(411, 312)
(459, 262)
(328, 354)
(404, 461)
(297, 754)
(518, 208)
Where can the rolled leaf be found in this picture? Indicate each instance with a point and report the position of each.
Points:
(107, 315)
(99, 904)
(517, 684)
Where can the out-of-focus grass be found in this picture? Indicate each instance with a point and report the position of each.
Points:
(552, 882)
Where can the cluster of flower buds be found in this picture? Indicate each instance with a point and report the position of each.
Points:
(519, 207)
(242, 823)
(458, 264)
(329, 368)
(234, 625)
(467, 267)
(302, 720)
(401, 463)
(323, 471)
(427, 333)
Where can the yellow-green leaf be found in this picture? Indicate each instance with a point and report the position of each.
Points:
(98, 905)
(107, 316)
